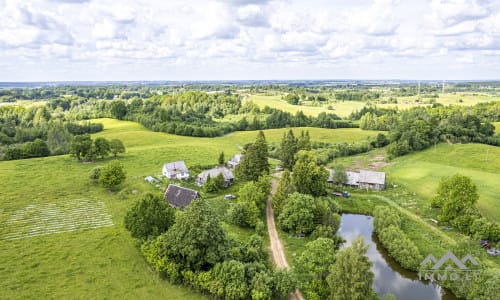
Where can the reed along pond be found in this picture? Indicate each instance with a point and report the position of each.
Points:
(389, 276)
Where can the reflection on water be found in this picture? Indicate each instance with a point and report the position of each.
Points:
(389, 276)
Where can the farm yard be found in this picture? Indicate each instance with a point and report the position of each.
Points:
(71, 219)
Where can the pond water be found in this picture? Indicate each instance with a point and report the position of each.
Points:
(389, 276)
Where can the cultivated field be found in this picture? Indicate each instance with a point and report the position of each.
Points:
(62, 236)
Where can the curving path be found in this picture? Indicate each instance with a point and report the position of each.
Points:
(277, 249)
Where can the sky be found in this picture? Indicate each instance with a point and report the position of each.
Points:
(102, 40)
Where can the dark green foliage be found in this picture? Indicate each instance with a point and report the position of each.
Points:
(244, 214)
(313, 267)
(81, 146)
(221, 159)
(292, 99)
(118, 109)
(231, 277)
(196, 241)
(210, 185)
(304, 141)
(384, 217)
(101, 147)
(400, 247)
(255, 161)
(116, 146)
(95, 173)
(282, 191)
(298, 216)
(350, 276)
(456, 196)
(149, 217)
(112, 174)
(288, 149)
(308, 177)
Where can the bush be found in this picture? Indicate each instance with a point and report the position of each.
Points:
(400, 247)
(244, 214)
(298, 216)
(384, 217)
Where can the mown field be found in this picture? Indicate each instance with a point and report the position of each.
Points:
(420, 172)
(93, 256)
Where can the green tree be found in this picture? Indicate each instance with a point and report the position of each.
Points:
(339, 175)
(288, 149)
(253, 192)
(486, 286)
(255, 161)
(149, 217)
(101, 147)
(196, 241)
(350, 276)
(116, 146)
(282, 191)
(210, 185)
(308, 177)
(58, 139)
(81, 146)
(95, 173)
(231, 276)
(244, 214)
(219, 181)
(454, 196)
(112, 175)
(221, 158)
(297, 216)
(313, 267)
(118, 109)
(304, 141)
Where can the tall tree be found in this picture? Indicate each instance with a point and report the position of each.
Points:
(197, 241)
(255, 161)
(339, 175)
(455, 196)
(58, 139)
(304, 141)
(116, 146)
(308, 177)
(149, 217)
(297, 216)
(118, 109)
(350, 276)
(221, 158)
(288, 149)
(81, 146)
(282, 191)
(101, 147)
(313, 267)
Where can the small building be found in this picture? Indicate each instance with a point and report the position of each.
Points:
(235, 160)
(352, 178)
(371, 180)
(175, 170)
(180, 197)
(226, 173)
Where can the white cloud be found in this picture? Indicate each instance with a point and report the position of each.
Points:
(248, 38)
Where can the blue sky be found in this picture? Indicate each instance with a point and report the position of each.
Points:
(59, 40)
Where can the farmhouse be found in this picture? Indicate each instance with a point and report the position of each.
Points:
(235, 160)
(176, 170)
(180, 197)
(228, 176)
(371, 180)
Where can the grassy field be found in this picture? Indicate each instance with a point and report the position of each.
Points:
(345, 108)
(420, 172)
(93, 256)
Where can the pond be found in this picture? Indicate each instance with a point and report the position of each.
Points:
(389, 276)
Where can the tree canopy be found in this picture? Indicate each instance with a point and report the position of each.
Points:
(308, 177)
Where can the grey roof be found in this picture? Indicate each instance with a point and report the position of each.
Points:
(371, 177)
(180, 196)
(228, 175)
(352, 177)
(236, 158)
(176, 166)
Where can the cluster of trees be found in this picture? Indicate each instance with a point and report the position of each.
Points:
(254, 162)
(418, 128)
(251, 204)
(84, 148)
(193, 249)
(110, 176)
(456, 198)
(290, 145)
(387, 225)
(215, 184)
(356, 96)
(36, 131)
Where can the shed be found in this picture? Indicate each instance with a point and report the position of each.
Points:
(371, 180)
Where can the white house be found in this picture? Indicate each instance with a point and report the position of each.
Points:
(175, 170)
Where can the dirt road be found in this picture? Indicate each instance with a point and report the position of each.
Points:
(277, 250)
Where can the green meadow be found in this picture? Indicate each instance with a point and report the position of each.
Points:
(420, 172)
(52, 245)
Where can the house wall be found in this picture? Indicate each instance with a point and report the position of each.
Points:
(371, 186)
